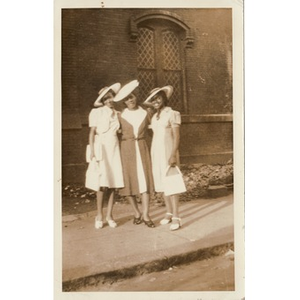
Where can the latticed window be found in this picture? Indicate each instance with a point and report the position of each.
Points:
(172, 67)
(171, 51)
(146, 61)
(145, 44)
(159, 62)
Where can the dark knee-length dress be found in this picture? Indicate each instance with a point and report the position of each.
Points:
(135, 155)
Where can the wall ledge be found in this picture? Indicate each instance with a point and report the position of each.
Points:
(206, 118)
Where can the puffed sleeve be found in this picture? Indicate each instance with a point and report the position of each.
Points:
(93, 118)
(175, 118)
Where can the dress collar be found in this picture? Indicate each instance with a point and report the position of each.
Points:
(109, 111)
(139, 108)
(165, 109)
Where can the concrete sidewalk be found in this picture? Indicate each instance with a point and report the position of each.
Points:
(90, 255)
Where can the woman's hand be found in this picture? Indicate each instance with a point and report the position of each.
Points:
(172, 161)
(150, 109)
(92, 155)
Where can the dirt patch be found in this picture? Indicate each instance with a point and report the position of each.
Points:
(200, 180)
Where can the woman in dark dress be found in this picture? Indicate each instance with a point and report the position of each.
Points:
(135, 155)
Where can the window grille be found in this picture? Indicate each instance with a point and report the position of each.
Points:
(159, 63)
(146, 61)
(145, 44)
(147, 83)
(174, 79)
(172, 67)
(162, 37)
(171, 51)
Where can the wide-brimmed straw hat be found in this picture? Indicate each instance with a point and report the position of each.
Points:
(168, 89)
(115, 88)
(126, 90)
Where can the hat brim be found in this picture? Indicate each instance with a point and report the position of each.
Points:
(168, 89)
(126, 90)
(114, 87)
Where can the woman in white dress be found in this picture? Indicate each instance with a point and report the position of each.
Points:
(165, 124)
(104, 145)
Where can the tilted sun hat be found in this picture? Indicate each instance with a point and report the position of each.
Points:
(168, 89)
(126, 90)
(115, 87)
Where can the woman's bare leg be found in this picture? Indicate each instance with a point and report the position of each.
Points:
(168, 204)
(176, 222)
(134, 205)
(110, 204)
(145, 203)
(175, 205)
(100, 205)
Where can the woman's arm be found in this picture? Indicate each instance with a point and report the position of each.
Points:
(91, 141)
(175, 146)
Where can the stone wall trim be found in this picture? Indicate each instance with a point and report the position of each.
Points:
(207, 118)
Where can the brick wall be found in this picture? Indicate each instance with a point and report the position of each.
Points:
(96, 51)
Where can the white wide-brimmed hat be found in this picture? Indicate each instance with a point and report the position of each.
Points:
(126, 90)
(115, 88)
(168, 89)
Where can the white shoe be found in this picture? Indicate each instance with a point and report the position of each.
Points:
(176, 224)
(166, 219)
(112, 223)
(98, 224)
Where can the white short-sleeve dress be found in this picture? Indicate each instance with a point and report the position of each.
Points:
(162, 142)
(106, 146)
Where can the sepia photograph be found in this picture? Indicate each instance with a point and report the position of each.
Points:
(149, 168)
(155, 142)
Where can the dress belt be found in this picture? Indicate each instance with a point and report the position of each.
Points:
(133, 139)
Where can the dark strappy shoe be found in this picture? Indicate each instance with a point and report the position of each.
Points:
(149, 223)
(137, 221)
